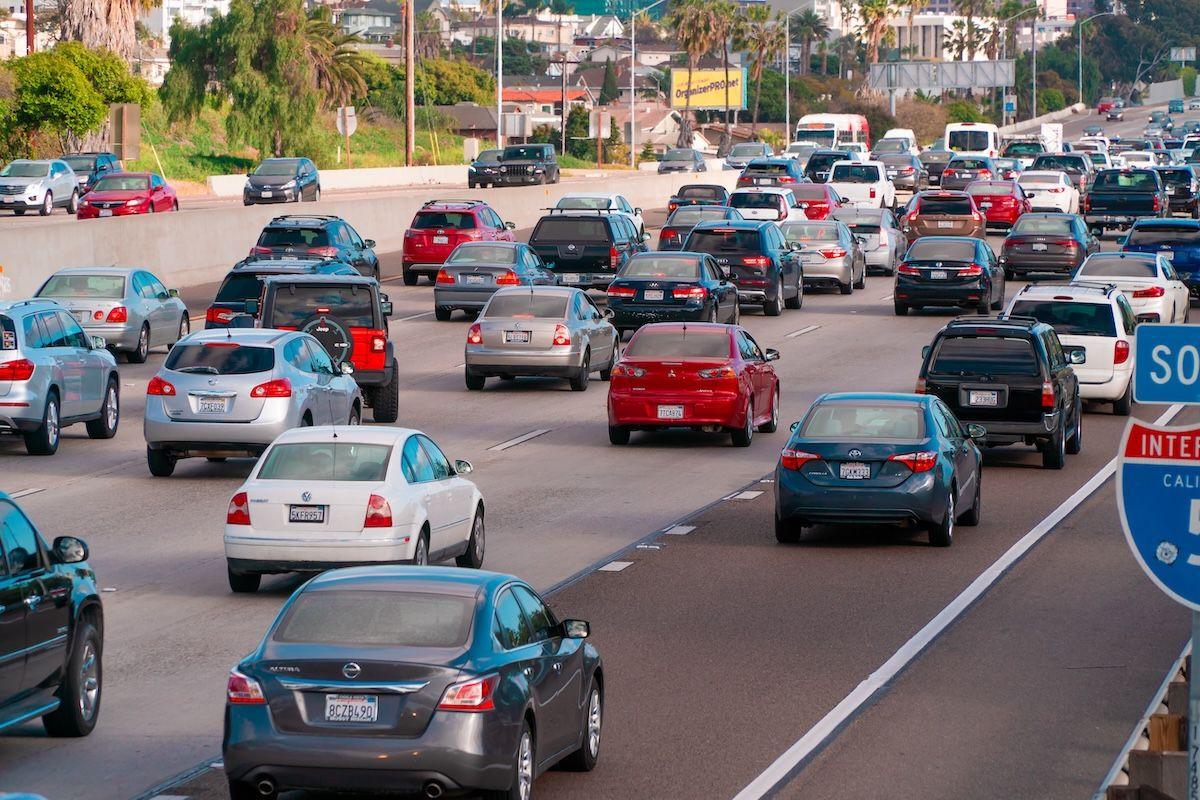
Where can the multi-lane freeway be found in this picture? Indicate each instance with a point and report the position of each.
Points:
(849, 666)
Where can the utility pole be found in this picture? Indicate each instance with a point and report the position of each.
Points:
(410, 57)
(499, 73)
(29, 34)
(1033, 56)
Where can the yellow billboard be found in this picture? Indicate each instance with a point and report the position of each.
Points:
(708, 89)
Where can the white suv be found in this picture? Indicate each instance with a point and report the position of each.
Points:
(39, 186)
(863, 183)
(596, 201)
(1096, 317)
(772, 203)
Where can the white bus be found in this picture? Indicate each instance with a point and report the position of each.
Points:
(833, 130)
(973, 139)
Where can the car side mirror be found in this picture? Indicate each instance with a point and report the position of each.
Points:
(771, 354)
(609, 313)
(512, 226)
(925, 351)
(386, 307)
(794, 426)
(977, 432)
(252, 307)
(172, 293)
(346, 368)
(98, 343)
(70, 550)
(575, 629)
(1076, 355)
(795, 247)
(637, 212)
(647, 237)
(463, 467)
(368, 243)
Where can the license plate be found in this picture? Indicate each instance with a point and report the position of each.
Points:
(978, 398)
(1039, 247)
(854, 471)
(516, 337)
(670, 412)
(964, 174)
(985, 205)
(473, 279)
(267, 194)
(212, 405)
(945, 225)
(891, 173)
(764, 181)
(570, 277)
(938, 274)
(106, 212)
(306, 513)
(82, 316)
(441, 240)
(351, 708)
(652, 294)
(1170, 191)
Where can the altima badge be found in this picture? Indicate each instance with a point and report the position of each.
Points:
(352, 670)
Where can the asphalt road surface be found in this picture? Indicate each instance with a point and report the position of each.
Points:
(722, 648)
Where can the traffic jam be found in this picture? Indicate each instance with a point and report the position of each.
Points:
(398, 663)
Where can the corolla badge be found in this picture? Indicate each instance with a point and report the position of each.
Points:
(855, 453)
(306, 496)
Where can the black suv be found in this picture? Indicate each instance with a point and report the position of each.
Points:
(523, 164)
(348, 315)
(772, 172)
(51, 629)
(244, 282)
(822, 161)
(586, 248)
(759, 260)
(484, 169)
(91, 167)
(319, 235)
(1183, 189)
(1012, 376)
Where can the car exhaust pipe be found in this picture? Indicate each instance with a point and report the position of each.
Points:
(433, 790)
(710, 428)
(266, 787)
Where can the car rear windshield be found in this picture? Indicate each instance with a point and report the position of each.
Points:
(294, 237)
(811, 231)
(934, 249)
(1040, 180)
(1176, 177)
(855, 173)
(1017, 149)
(570, 229)
(1028, 224)
(326, 461)
(679, 344)
(122, 183)
(702, 193)
(379, 618)
(969, 140)
(1115, 266)
(683, 268)
(1098, 158)
(990, 189)
(865, 421)
(107, 286)
(809, 192)
(896, 159)
(822, 161)
(295, 304)
(861, 228)
(239, 287)
(743, 150)
(1153, 234)
(984, 355)
(482, 254)
(767, 168)
(968, 163)
(585, 202)
(755, 200)
(1078, 319)
(454, 220)
(690, 215)
(948, 206)
(723, 240)
(81, 163)
(520, 305)
(1126, 181)
(220, 358)
(891, 146)
(1060, 163)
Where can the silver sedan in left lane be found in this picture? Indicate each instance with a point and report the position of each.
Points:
(126, 306)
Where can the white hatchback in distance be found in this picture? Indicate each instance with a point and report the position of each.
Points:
(338, 496)
(863, 184)
(773, 203)
(1050, 191)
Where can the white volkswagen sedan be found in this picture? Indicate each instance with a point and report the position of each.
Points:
(336, 496)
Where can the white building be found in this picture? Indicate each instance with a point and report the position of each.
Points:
(158, 19)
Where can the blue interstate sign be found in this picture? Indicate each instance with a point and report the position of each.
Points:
(1158, 493)
(1166, 366)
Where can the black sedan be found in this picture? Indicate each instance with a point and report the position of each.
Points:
(464, 680)
(672, 287)
(282, 180)
(682, 159)
(484, 169)
(893, 459)
(699, 194)
(683, 219)
(949, 271)
(1046, 242)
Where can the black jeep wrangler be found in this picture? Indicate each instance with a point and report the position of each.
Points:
(348, 315)
(524, 164)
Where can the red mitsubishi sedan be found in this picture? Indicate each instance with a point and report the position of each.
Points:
(124, 193)
(702, 376)
(1002, 202)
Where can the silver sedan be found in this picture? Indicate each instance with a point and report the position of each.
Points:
(225, 393)
(832, 256)
(475, 270)
(541, 330)
(129, 307)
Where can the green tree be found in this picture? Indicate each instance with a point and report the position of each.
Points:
(445, 81)
(964, 111)
(337, 65)
(764, 38)
(608, 89)
(808, 27)
(53, 95)
(578, 143)
(693, 24)
(107, 73)
(1050, 100)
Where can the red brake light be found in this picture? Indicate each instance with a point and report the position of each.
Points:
(621, 291)
(974, 269)
(905, 269)
(379, 513)
(907, 171)
(561, 335)
(509, 278)
(260, 251)
(1087, 203)
(717, 372)
(239, 510)
(118, 314)
(1156, 203)
(1047, 394)
(795, 459)
(1067, 243)
(787, 179)
(1153, 291)
(160, 388)
(1120, 351)
(243, 690)
(614, 258)
(917, 462)
(443, 277)
(97, 315)
(626, 371)
(920, 388)
(756, 261)
(328, 252)
(280, 387)
(984, 173)
(472, 695)
(690, 292)
(834, 252)
(378, 342)
(872, 192)
(20, 369)
(219, 315)
(475, 334)
(668, 233)
(672, 206)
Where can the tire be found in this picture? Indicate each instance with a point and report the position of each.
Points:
(743, 436)
(474, 382)
(317, 194)
(243, 584)
(712, 314)
(73, 203)
(387, 399)
(579, 383)
(185, 327)
(773, 308)
(523, 768)
(942, 534)
(1123, 405)
(862, 280)
(160, 462)
(442, 314)
(421, 551)
(105, 426)
(606, 373)
(1075, 440)
(44, 440)
(1054, 456)
(984, 305)
(999, 304)
(80, 692)
(584, 759)
(787, 532)
(47, 205)
(175, 206)
(20, 212)
(848, 288)
(736, 319)
(794, 303)
(139, 354)
(408, 276)
(901, 309)
(974, 513)
(473, 558)
(152, 209)
(618, 435)
(773, 424)
(355, 417)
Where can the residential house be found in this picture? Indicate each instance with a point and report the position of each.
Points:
(656, 124)
(653, 54)
(593, 77)
(470, 119)
(158, 19)
(604, 26)
(368, 24)
(545, 101)
(151, 63)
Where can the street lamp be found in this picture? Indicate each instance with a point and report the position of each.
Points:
(787, 72)
(499, 74)
(633, 12)
(1004, 48)
(1089, 19)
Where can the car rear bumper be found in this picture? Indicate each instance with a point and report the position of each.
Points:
(490, 362)
(1116, 220)
(827, 272)
(185, 439)
(374, 377)
(880, 259)
(643, 314)
(116, 337)
(1007, 432)
(21, 410)
(462, 298)
(641, 411)
(266, 553)
(585, 279)
(961, 294)
(920, 499)
(1036, 263)
(1111, 389)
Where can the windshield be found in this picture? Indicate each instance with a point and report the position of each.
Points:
(946, 206)
(680, 155)
(1176, 177)
(679, 344)
(755, 200)
(1072, 164)
(81, 163)
(694, 214)
(990, 189)
(855, 173)
(277, 166)
(76, 285)
(326, 461)
(1168, 235)
(719, 241)
(1127, 181)
(122, 183)
(984, 355)
(585, 203)
(843, 420)
(488, 155)
(296, 304)
(935, 249)
(1028, 224)
(746, 150)
(522, 154)
(1077, 319)
(239, 287)
(377, 618)
(891, 146)
(1017, 149)
(1118, 266)
(684, 268)
(963, 140)
(220, 358)
(293, 237)
(25, 169)
(810, 232)
(703, 193)
(523, 305)
(570, 229)
(483, 254)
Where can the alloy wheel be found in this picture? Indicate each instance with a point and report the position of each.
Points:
(52, 423)
(89, 681)
(525, 766)
(111, 408)
(594, 719)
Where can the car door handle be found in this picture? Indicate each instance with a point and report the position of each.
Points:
(558, 666)
(528, 672)
(33, 601)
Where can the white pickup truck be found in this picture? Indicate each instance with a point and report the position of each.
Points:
(863, 183)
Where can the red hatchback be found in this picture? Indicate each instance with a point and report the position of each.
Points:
(818, 200)
(1002, 202)
(702, 376)
(124, 193)
(442, 225)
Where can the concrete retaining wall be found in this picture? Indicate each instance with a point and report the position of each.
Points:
(372, 178)
(1163, 91)
(1035, 123)
(199, 246)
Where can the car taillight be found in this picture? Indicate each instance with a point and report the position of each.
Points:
(160, 388)
(756, 261)
(378, 341)
(20, 369)
(717, 372)
(243, 690)
(280, 387)
(1087, 203)
(1057, 190)
(947, 173)
(787, 179)
(917, 462)
(907, 171)
(475, 334)
(974, 269)
(817, 210)
(471, 235)
(1153, 291)
(1047, 394)
(834, 252)
(1156, 203)
(614, 258)
(975, 215)
(509, 278)
(443, 277)
(222, 316)
(260, 251)
(239, 510)
(672, 206)
(328, 252)
(561, 335)
(872, 195)
(626, 371)
(795, 459)
(379, 513)
(1069, 244)
(410, 233)
(668, 233)
(473, 695)
(621, 291)
(920, 388)
(904, 269)
(984, 173)
(689, 293)
(1120, 352)
(118, 314)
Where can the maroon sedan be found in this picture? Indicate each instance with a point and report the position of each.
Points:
(125, 193)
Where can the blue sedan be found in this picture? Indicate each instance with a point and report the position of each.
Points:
(671, 287)
(900, 459)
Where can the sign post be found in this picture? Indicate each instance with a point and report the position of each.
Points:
(347, 124)
(1158, 490)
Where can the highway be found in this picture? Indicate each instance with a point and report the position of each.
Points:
(722, 648)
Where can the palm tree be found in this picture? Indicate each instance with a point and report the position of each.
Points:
(559, 8)
(764, 37)
(692, 21)
(912, 7)
(954, 41)
(875, 15)
(993, 42)
(725, 22)
(103, 24)
(823, 51)
(844, 36)
(807, 27)
(970, 9)
(338, 67)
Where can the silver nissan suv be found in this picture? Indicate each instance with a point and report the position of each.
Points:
(52, 374)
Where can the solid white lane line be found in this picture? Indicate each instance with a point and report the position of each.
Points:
(680, 530)
(823, 732)
(615, 566)
(414, 316)
(525, 437)
(25, 493)
(802, 331)
(747, 495)
(887, 297)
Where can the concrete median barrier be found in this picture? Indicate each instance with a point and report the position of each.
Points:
(199, 246)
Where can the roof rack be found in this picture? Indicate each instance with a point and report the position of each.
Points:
(1094, 285)
(584, 210)
(285, 217)
(974, 321)
(436, 202)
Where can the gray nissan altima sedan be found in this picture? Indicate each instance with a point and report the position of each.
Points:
(413, 680)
